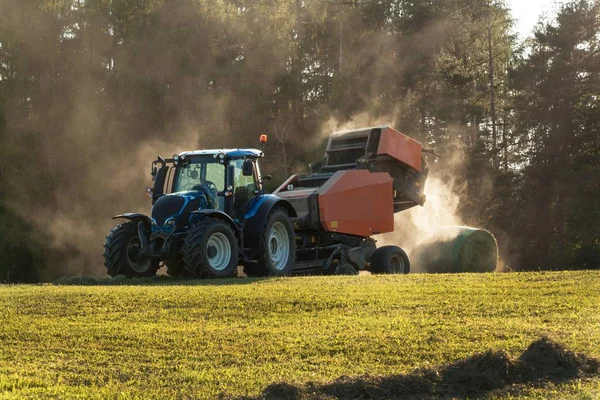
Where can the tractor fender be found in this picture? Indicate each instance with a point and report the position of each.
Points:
(256, 217)
(135, 217)
(215, 214)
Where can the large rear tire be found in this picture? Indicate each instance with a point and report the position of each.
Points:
(210, 248)
(278, 251)
(390, 260)
(122, 253)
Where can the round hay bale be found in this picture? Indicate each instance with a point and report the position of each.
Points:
(457, 249)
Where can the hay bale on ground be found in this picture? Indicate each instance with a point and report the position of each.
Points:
(457, 249)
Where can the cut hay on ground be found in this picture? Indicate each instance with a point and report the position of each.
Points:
(544, 361)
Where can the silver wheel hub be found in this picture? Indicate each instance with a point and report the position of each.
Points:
(279, 246)
(218, 250)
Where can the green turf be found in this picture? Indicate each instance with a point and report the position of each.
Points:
(202, 339)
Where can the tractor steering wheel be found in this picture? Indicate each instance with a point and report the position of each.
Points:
(210, 186)
(209, 189)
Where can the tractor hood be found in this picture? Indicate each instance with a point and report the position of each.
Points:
(173, 210)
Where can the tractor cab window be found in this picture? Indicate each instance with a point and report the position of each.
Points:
(205, 175)
(245, 186)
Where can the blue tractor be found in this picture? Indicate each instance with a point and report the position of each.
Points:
(209, 215)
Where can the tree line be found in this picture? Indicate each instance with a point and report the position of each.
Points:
(91, 90)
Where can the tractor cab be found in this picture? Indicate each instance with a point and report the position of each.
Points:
(224, 180)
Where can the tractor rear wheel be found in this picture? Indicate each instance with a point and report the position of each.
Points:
(278, 251)
(210, 248)
(122, 253)
(390, 260)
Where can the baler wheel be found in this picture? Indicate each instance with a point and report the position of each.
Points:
(210, 248)
(390, 260)
(278, 251)
(122, 253)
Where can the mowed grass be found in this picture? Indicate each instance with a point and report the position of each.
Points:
(202, 339)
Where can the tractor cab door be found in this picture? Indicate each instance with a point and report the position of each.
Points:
(246, 187)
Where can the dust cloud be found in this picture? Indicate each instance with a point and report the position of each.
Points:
(361, 120)
(418, 224)
(421, 225)
(83, 198)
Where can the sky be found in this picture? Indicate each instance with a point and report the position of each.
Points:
(528, 12)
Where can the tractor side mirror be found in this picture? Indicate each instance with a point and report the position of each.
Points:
(248, 168)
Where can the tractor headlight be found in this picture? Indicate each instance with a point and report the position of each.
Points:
(170, 222)
(221, 155)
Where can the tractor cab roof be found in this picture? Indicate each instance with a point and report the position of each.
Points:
(232, 153)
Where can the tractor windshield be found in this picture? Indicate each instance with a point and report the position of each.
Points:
(204, 174)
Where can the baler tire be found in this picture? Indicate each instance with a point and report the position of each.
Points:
(390, 260)
(278, 226)
(206, 233)
(119, 243)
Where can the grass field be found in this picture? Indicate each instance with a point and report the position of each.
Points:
(192, 339)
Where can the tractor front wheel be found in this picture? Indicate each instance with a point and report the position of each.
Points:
(390, 260)
(122, 253)
(210, 248)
